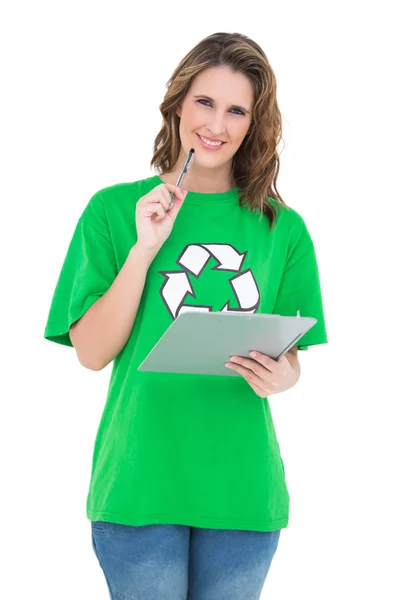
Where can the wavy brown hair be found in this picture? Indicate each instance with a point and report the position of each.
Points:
(255, 165)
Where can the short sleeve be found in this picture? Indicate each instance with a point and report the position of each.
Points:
(87, 273)
(300, 289)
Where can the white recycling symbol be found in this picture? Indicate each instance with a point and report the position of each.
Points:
(194, 259)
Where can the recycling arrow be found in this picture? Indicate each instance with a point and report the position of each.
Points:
(175, 289)
(194, 259)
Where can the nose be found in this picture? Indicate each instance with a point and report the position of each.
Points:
(216, 125)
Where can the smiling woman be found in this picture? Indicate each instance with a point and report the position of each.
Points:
(225, 91)
(215, 125)
(187, 494)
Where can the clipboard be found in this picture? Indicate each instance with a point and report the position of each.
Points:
(199, 342)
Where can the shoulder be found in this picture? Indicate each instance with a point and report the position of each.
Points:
(289, 220)
(291, 230)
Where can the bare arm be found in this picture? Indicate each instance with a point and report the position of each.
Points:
(102, 332)
(292, 356)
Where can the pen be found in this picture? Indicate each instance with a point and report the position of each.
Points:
(188, 163)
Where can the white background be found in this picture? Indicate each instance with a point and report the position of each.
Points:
(81, 86)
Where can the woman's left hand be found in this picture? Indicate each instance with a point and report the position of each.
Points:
(264, 374)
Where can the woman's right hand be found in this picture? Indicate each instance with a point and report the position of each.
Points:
(153, 222)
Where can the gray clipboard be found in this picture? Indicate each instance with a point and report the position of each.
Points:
(201, 342)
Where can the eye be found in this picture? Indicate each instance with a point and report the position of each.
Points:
(239, 111)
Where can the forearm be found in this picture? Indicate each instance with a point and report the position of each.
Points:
(295, 364)
(104, 329)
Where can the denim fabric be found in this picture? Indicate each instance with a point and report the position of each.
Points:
(177, 562)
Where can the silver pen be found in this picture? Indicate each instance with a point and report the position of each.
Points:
(188, 163)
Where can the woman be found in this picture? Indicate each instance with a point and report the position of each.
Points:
(188, 496)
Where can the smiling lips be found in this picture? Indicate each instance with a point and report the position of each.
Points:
(209, 144)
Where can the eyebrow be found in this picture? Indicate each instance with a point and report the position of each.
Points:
(211, 100)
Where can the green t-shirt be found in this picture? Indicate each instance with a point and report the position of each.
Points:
(197, 450)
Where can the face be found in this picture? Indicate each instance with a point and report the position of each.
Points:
(217, 107)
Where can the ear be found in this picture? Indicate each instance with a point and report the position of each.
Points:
(178, 111)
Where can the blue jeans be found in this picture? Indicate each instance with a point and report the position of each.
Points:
(178, 562)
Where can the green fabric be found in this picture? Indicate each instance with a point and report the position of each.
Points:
(188, 449)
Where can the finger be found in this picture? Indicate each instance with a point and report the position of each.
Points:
(173, 198)
(166, 190)
(159, 215)
(166, 197)
(161, 196)
(177, 205)
(160, 212)
(249, 375)
(153, 209)
(266, 361)
(250, 364)
(172, 188)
